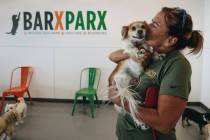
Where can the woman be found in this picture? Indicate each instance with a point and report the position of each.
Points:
(170, 32)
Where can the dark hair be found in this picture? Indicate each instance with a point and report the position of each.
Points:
(180, 25)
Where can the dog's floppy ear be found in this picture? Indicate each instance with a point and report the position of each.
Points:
(124, 31)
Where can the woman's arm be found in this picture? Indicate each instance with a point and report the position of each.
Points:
(165, 117)
(118, 55)
(162, 119)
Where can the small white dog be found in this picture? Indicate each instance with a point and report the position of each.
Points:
(20, 107)
(134, 38)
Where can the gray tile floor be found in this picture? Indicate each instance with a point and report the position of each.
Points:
(53, 121)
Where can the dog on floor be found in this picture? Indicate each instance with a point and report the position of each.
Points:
(205, 132)
(134, 37)
(20, 107)
(201, 119)
(7, 124)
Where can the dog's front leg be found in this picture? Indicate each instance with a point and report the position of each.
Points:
(8, 138)
(9, 132)
(188, 123)
(185, 122)
(3, 136)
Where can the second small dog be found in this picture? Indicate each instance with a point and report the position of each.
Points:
(205, 132)
(7, 124)
(199, 118)
(20, 107)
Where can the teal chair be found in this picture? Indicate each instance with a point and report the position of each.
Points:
(89, 80)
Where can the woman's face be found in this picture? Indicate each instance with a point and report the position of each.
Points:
(157, 34)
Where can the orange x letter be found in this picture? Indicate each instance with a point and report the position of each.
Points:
(59, 20)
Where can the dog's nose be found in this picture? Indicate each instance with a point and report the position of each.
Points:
(139, 32)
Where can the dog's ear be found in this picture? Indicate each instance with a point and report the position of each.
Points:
(124, 31)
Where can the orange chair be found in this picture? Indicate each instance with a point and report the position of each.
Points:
(18, 91)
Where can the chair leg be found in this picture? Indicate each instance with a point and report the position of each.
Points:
(74, 106)
(15, 98)
(83, 100)
(97, 100)
(29, 97)
(91, 99)
(2, 102)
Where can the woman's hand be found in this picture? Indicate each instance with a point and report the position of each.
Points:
(118, 56)
(144, 61)
(134, 81)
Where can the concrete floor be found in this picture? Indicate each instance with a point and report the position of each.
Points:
(53, 121)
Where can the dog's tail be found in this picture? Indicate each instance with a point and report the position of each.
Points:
(128, 96)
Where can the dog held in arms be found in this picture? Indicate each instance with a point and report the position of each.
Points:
(202, 119)
(9, 119)
(134, 37)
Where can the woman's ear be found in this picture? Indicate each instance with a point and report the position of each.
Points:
(124, 31)
(171, 41)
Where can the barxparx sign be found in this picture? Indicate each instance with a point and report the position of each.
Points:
(63, 21)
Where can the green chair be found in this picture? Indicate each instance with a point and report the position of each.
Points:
(89, 80)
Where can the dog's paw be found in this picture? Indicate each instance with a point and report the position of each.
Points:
(21, 121)
(8, 137)
(144, 126)
(118, 108)
(17, 123)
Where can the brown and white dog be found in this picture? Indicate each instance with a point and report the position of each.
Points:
(14, 114)
(20, 107)
(134, 37)
(7, 124)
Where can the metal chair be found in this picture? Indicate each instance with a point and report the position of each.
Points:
(89, 80)
(26, 73)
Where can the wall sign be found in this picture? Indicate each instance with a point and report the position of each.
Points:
(59, 22)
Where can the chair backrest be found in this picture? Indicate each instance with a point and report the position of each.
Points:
(26, 73)
(90, 77)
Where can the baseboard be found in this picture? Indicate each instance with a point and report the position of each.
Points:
(57, 100)
(100, 101)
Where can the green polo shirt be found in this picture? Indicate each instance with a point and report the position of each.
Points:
(172, 75)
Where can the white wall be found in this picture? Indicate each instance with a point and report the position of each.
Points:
(205, 98)
(58, 59)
